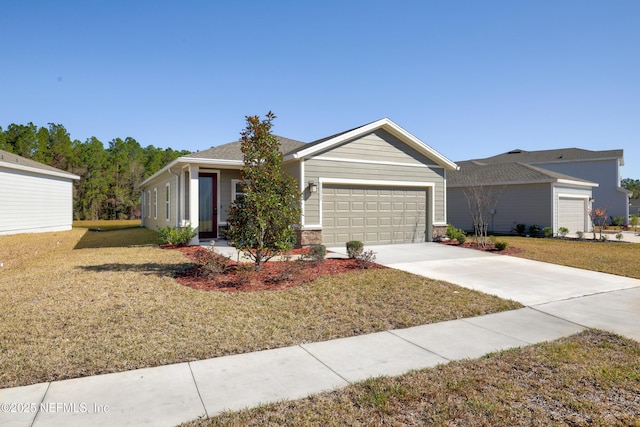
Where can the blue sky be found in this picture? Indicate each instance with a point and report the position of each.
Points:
(470, 78)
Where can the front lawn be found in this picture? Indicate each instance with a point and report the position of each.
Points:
(620, 258)
(85, 302)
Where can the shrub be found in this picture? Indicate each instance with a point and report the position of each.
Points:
(354, 248)
(563, 231)
(534, 230)
(520, 229)
(580, 234)
(210, 264)
(178, 236)
(366, 259)
(317, 253)
(456, 234)
(619, 236)
(617, 221)
(501, 245)
(547, 231)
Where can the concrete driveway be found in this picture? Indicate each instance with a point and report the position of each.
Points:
(588, 298)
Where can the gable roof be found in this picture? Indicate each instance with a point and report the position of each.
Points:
(386, 124)
(476, 173)
(13, 161)
(553, 156)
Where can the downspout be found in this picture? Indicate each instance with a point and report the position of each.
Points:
(177, 175)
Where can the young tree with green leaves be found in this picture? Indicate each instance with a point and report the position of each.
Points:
(262, 222)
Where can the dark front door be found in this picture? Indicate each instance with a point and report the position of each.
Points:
(208, 215)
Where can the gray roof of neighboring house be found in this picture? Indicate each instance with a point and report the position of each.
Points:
(12, 160)
(551, 156)
(232, 151)
(473, 172)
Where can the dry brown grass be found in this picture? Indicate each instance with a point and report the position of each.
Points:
(80, 303)
(589, 379)
(620, 258)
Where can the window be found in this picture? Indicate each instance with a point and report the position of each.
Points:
(237, 189)
(167, 202)
(148, 203)
(187, 195)
(155, 203)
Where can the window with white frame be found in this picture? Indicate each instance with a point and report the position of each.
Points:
(237, 189)
(148, 203)
(155, 203)
(167, 202)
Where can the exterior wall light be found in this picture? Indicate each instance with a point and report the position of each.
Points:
(313, 187)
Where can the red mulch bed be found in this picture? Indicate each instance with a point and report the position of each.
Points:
(509, 250)
(275, 275)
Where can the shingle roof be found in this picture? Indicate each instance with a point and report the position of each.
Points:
(476, 173)
(9, 159)
(549, 156)
(232, 151)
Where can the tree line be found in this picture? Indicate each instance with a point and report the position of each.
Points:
(109, 176)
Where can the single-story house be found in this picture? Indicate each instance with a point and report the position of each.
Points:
(376, 183)
(34, 197)
(521, 194)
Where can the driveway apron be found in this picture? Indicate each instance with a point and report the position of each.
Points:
(588, 298)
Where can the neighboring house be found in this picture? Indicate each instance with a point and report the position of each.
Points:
(634, 207)
(34, 198)
(376, 183)
(548, 188)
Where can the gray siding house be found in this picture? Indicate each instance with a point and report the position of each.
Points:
(523, 194)
(549, 188)
(34, 198)
(376, 183)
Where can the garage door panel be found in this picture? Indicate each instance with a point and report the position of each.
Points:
(571, 214)
(373, 214)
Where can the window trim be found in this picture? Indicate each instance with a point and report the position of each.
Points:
(167, 201)
(155, 203)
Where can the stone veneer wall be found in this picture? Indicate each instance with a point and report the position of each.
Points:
(309, 238)
(439, 232)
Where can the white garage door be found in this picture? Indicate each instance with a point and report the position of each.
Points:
(571, 214)
(373, 215)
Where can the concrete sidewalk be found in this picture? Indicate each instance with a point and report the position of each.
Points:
(562, 301)
(172, 394)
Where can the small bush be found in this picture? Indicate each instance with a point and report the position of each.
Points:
(619, 236)
(534, 230)
(501, 245)
(366, 259)
(354, 248)
(178, 236)
(547, 231)
(317, 253)
(521, 229)
(563, 231)
(580, 234)
(456, 234)
(617, 221)
(210, 264)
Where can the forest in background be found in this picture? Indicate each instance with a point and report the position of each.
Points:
(109, 175)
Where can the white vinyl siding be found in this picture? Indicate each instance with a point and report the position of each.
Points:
(31, 203)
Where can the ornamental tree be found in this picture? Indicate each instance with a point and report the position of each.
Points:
(262, 221)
